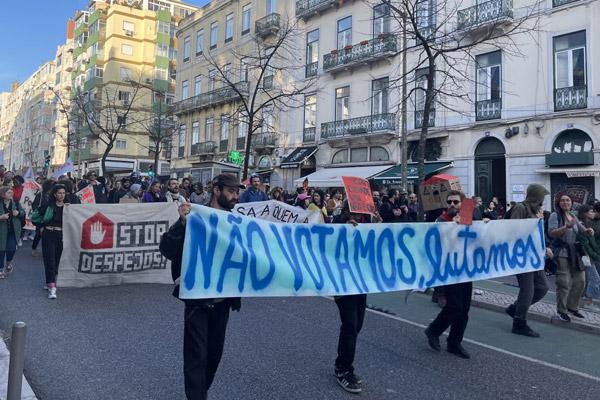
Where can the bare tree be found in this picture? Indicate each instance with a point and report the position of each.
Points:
(441, 38)
(267, 78)
(110, 114)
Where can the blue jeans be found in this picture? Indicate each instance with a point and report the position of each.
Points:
(592, 279)
(9, 249)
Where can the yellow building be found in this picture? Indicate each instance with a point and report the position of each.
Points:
(123, 80)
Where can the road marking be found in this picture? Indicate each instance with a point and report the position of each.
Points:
(487, 346)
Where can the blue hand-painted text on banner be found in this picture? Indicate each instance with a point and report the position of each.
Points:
(229, 255)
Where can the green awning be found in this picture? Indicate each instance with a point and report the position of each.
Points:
(393, 176)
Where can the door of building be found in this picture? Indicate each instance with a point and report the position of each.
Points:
(490, 170)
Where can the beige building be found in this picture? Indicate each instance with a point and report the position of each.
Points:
(123, 75)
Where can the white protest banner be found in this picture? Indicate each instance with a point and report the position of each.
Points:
(113, 244)
(30, 189)
(229, 255)
(277, 211)
(86, 195)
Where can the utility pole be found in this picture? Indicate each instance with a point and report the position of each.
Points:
(404, 139)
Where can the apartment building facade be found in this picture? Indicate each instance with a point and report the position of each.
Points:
(534, 115)
(124, 64)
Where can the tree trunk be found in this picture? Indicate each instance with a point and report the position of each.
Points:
(429, 97)
(248, 149)
(156, 157)
(103, 160)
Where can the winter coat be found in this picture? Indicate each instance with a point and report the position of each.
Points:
(16, 221)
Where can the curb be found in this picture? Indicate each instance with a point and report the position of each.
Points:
(535, 316)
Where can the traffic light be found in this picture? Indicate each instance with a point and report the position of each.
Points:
(47, 161)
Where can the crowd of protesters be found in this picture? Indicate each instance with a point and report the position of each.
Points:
(573, 243)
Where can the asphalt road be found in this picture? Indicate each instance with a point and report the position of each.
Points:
(125, 343)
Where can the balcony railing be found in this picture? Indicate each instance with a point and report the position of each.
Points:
(307, 8)
(483, 13)
(311, 69)
(558, 3)
(203, 148)
(263, 140)
(367, 51)
(488, 109)
(570, 98)
(212, 98)
(309, 134)
(371, 124)
(268, 25)
(419, 119)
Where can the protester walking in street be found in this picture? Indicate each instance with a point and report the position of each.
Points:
(52, 236)
(10, 229)
(591, 247)
(352, 315)
(317, 203)
(70, 196)
(302, 201)
(532, 285)
(199, 195)
(122, 191)
(100, 193)
(42, 197)
(563, 227)
(173, 194)
(254, 192)
(205, 320)
(134, 195)
(185, 189)
(154, 194)
(455, 313)
(491, 212)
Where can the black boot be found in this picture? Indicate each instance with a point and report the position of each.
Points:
(520, 327)
(510, 310)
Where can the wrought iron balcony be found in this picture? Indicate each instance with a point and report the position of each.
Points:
(419, 119)
(368, 125)
(363, 52)
(307, 8)
(492, 11)
(558, 3)
(311, 69)
(268, 25)
(488, 109)
(570, 98)
(263, 140)
(203, 148)
(218, 96)
(309, 134)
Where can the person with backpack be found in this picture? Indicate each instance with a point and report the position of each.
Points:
(42, 197)
(532, 285)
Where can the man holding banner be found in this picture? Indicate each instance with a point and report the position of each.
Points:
(206, 320)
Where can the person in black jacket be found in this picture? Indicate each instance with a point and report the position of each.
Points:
(205, 320)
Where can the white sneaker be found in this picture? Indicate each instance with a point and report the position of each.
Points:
(24, 238)
(20, 243)
(52, 293)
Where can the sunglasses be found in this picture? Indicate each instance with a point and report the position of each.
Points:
(455, 202)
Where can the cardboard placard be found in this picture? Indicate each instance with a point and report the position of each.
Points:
(466, 211)
(435, 190)
(358, 193)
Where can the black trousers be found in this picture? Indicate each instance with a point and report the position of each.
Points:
(533, 286)
(352, 314)
(52, 247)
(37, 238)
(203, 342)
(455, 313)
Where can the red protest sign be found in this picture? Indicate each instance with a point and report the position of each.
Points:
(466, 211)
(359, 195)
(86, 195)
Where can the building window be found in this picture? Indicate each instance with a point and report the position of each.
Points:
(244, 70)
(421, 88)
(426, 12)
(570, 60)
(160, 74)
(124, 97)
(127, 49)
(182, 133)
(195, 132)
(344, 32)
(125, 74)
(488, 86)
(246, 17)
(229, 28)
(379, 101)
(379, 154)
(359, 154)
(197, 85)
(199, 42)
(214, 32)
(187, 44)
(224, 127)
(310, 111)
(226, 73)
(119, 144)
(128, 28)
(162, 50)
(267, 119)
(312, 52)
(212, 75)
(271, 7)
(122, 120)
(342, 103)
(164, 27)
(185, 90)
(340, 157)
(209, 129)
(242, 125)
(381, 19)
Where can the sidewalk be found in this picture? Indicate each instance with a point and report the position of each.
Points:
(26, 392)
(497, 296)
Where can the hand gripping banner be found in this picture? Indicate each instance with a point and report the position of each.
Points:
(230, 255)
